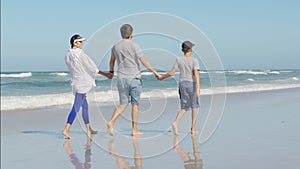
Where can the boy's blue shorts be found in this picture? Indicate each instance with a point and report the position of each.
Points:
(188, 96)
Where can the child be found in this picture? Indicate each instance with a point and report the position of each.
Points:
(83, 72)
(189, 85)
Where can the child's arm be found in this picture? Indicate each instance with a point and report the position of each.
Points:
(169, 74)
(197, 78)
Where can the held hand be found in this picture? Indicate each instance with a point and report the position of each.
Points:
(109, 75)
(158, 77)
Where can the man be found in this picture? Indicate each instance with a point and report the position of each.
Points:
(128, 54)
(83, 72)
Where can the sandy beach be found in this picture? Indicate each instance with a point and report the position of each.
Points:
(258, 130)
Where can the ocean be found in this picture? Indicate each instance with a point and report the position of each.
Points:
(32, 90)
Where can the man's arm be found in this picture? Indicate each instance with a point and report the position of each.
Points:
(197, 78)
(148, 66)
(112, 64)
(108, 75)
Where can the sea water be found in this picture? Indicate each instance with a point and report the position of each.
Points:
(30, 90)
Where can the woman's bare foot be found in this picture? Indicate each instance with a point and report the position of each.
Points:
(66, 134)
(110, 129)
(174, 128)
(137, 133)
(93, 131)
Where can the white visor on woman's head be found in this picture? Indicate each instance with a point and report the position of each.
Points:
(80, 39)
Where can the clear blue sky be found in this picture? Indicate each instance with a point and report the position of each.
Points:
(258, 34)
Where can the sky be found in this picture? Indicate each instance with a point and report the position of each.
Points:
(257, 34)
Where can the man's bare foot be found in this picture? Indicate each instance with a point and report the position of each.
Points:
(174, 127)
(194, 132)
(66, 134)
(137, 133)
(110, 129)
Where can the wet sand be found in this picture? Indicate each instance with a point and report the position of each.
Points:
(258, 130)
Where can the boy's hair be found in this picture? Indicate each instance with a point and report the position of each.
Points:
(186, 46)
(126, 31)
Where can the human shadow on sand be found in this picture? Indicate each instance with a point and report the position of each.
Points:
(51, 133)
(74, 159)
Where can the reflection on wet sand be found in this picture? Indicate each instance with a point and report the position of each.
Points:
(121, 162)
(73, 158)
(188, 162)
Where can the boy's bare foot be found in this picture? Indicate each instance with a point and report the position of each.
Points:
(66, 134)
(137, 133)
(194, 132)
(174, 128)
(110, 129)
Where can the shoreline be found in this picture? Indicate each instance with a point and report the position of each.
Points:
(143, 99)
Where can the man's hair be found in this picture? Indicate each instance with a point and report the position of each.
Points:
(126, 31)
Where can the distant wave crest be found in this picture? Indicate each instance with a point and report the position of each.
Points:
(29, 74)
(17, 75)
(59, 74)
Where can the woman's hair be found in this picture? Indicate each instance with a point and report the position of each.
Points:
(76, 36)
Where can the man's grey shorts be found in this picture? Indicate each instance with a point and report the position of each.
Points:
(129, 90)
(187, 93)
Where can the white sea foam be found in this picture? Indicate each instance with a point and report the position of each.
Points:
(147, 73)
(250, 79)
(17, 75)
(291, 80)
(31, 102)
(108, 97)
(249, 72)
(273, 72)
(217, 72)
(203, 72)
(59, 74)
(258, 87)
(256, 72)
(285, 71)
